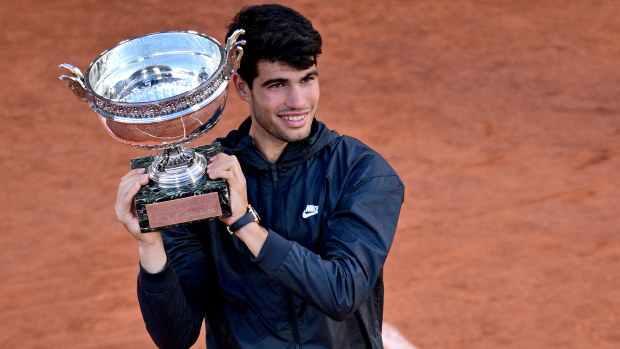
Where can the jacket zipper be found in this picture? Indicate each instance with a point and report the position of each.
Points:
(274, 177)
(289, 300)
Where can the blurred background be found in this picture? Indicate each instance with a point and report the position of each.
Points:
(501, 117)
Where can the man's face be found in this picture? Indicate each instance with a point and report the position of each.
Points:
(283, 101)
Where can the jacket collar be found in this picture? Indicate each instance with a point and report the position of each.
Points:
(240, 143)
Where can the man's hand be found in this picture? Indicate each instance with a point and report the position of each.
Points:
(150, 245)
(227, 167)
(125, 211)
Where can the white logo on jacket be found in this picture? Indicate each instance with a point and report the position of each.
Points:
(310, 210)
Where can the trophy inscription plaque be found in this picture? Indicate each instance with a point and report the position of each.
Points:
(160, 91)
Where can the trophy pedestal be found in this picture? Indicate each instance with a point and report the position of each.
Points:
(159, 207)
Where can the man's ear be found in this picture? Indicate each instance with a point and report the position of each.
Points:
(242, 87)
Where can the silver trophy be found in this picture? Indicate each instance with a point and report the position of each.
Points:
(159, 91)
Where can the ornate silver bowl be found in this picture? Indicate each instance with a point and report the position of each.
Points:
(159, 91)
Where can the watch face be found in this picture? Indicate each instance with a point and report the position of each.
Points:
(256, 217)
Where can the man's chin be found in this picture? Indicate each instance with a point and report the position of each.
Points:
(297, 136)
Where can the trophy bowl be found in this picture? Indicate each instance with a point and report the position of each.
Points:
(159, 91)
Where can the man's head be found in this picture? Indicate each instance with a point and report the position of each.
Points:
(275, 33)
(278, 76)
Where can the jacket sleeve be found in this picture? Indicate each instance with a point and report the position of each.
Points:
(359, 232)
(173, 301)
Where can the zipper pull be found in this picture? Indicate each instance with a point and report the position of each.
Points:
(274, 173)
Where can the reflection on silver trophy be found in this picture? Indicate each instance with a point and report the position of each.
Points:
(159, 91)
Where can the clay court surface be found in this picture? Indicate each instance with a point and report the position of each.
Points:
(501, 117)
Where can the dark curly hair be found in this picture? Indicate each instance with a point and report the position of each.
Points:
(277, 34)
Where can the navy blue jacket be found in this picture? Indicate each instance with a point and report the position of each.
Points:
(330, 205)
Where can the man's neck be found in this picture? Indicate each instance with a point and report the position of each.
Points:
(271, 148)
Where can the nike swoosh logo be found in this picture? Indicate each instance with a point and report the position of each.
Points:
(308, 214)
(310, 210)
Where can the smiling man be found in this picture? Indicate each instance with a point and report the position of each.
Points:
(299, 263)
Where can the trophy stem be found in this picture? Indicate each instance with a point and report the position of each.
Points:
(177, 166)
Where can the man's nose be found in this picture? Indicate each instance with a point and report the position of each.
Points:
(296, 98)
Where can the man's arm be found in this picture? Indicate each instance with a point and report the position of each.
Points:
(359, 235)
(150, 246)
(173, 301)
(172, 319)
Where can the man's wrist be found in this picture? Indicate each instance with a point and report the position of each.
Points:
(253, 236)
(152, 255)
(249, 217)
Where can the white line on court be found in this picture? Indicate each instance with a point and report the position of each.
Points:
(392, 339)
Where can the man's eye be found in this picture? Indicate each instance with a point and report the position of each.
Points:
(308, 78)
(276, 85)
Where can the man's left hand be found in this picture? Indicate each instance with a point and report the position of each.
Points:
(227, 167)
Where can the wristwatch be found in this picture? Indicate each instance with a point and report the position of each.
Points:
(249, 217)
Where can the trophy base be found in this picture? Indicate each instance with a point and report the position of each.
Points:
(159, 207)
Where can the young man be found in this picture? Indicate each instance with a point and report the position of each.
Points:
(309, 272)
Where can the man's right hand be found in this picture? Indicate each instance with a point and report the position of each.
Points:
(150, 245)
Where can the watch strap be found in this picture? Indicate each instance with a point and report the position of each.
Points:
(246, 219)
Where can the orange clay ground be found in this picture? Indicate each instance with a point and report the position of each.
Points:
(501, 117)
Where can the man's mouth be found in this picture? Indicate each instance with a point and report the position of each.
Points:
(294, 117)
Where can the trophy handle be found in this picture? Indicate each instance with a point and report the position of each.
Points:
(234, 51)
(76, 83)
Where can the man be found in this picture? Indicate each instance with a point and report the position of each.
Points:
(308, 273)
